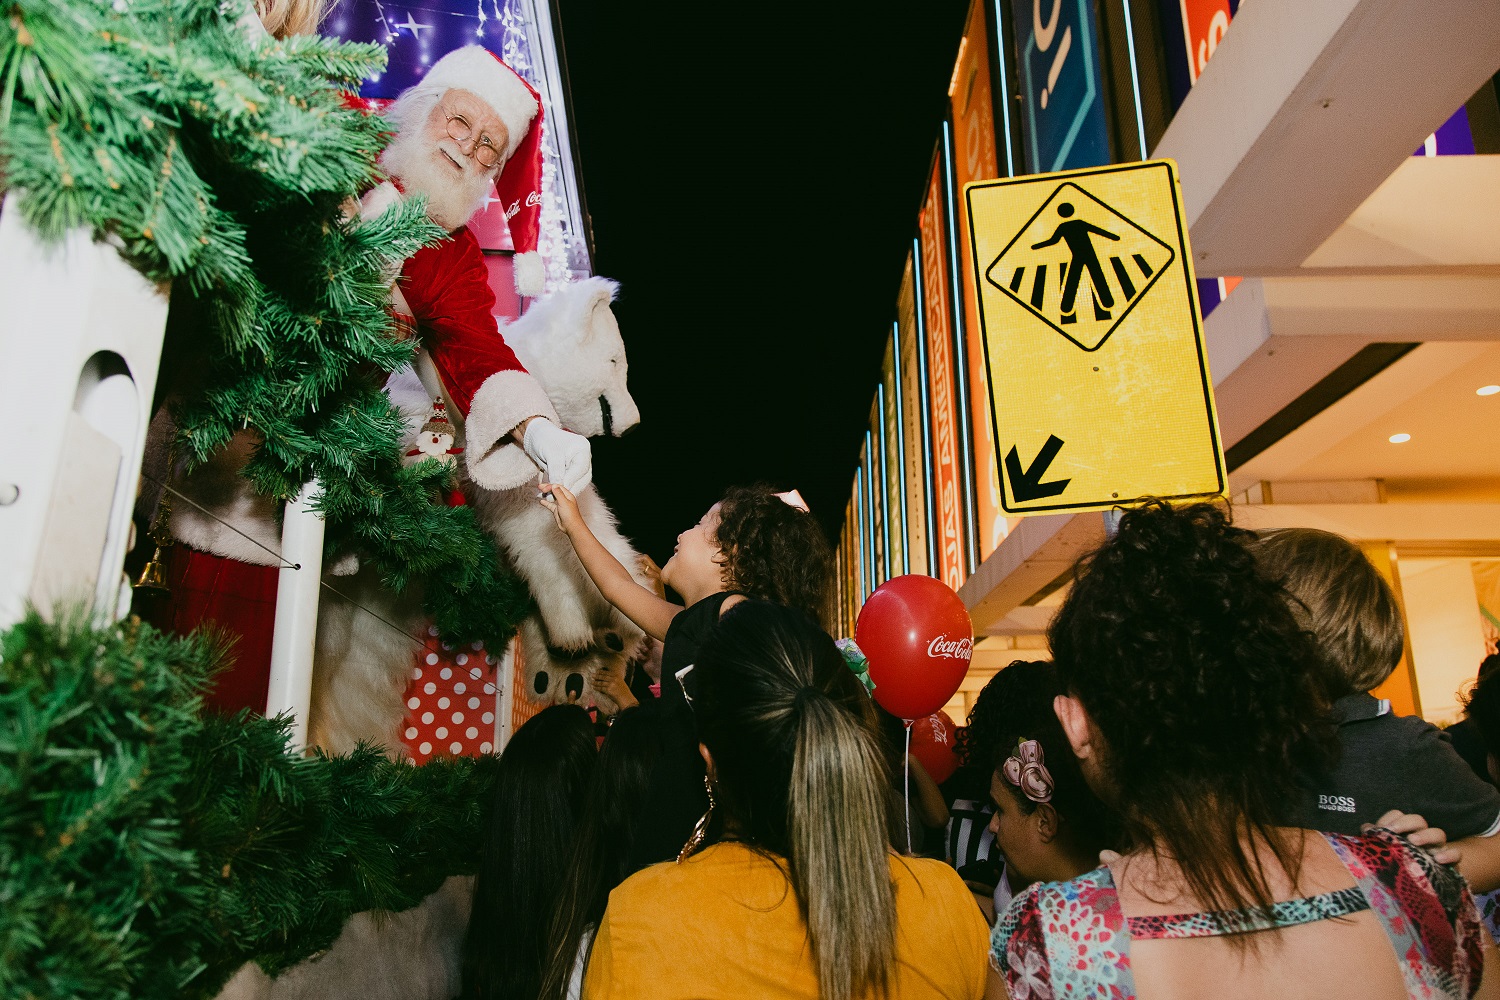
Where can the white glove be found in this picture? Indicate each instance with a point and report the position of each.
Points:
(565, 457)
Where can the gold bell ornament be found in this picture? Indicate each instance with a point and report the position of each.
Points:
(154, 576)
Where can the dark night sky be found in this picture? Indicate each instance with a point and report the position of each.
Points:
(753, 179)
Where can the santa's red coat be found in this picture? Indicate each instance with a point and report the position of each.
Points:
(447, 287)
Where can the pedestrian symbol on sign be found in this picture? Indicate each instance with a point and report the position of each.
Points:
(1079, 266)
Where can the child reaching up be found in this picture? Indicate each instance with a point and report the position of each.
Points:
(753, 543)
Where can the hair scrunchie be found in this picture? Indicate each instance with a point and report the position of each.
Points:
(1027, 770)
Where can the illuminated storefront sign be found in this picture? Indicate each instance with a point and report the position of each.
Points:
(916, 451)
(870, 461)
(934, 306)
(1062, 103)
(849, 547)
(1204, 23)
(974, 159)
(895, 457)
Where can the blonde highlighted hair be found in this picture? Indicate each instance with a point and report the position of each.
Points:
(291, 17)
(1341, 599)
(801, 776)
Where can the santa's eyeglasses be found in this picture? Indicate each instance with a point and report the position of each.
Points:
(459, 130)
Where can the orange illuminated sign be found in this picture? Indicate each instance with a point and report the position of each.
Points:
(1204, 23)
(940, 369)
(975, 160)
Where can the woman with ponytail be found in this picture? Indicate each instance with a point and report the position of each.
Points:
(802, 896)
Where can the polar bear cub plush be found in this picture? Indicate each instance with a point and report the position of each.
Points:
(571, 344)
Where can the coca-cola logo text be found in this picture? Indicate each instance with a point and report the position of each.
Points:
(951, 649)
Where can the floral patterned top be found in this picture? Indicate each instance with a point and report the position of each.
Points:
(1070, 939)
(1489, 912)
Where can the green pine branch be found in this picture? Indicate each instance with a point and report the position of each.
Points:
(148, 851)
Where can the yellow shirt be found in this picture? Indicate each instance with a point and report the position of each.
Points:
(725, 923)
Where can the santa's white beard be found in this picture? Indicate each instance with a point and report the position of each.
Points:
(452, 196)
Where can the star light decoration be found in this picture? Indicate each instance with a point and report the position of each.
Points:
(415, 27)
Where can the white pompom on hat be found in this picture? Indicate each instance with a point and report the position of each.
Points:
(519, 183)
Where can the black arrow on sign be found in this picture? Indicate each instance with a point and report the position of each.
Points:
(1027, 484)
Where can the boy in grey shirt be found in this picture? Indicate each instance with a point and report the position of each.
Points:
(1386, 761)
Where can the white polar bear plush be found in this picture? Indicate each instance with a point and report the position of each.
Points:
(570, 342)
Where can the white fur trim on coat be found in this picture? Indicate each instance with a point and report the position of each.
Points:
(473, 68)
(378, 199)
(530, 273)
(231, 510)
(495, 461)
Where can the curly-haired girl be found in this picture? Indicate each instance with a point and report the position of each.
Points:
(1193, 701)
(753, 543)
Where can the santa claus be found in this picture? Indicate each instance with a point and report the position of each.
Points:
(472, 126)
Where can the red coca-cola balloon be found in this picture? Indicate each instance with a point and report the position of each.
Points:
(933, 742)
(915, 631)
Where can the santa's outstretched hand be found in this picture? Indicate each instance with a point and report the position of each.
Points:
(564, 457)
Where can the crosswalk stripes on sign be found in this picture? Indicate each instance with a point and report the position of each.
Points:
(1080, 266)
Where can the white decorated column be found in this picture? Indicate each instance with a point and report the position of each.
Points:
(296, 629)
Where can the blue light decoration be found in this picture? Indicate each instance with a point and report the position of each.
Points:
(1135, 82)
(1000, 86)
(1062, 104)
(901, 444)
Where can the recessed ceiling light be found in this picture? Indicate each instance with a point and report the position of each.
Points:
(1400, 438)
(1487, 390)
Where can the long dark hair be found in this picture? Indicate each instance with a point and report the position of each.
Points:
(1482, 703)
(800, 775)
(1206, 693)
(774, 551)
(539, 789)
(606, 833)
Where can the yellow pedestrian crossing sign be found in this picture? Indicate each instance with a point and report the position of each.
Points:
(1099, 379)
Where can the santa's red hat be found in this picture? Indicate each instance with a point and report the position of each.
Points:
(519, 183)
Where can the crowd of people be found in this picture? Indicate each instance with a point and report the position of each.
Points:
(1196, 796)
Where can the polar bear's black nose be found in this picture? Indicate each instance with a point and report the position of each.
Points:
(540, 681)
(575, 685)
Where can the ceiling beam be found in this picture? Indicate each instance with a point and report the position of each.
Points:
(1306, 108)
